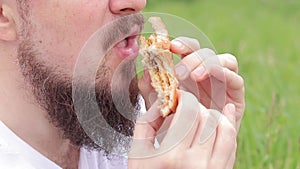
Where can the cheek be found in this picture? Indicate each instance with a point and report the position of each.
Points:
(86, 18)
(62, 28)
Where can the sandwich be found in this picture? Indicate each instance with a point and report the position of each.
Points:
(158, 60)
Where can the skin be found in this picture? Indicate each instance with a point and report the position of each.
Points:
(219, 150)
(68, 20)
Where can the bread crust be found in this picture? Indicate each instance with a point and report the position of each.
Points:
(158, 60)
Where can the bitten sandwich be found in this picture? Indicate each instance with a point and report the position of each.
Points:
(158, 60)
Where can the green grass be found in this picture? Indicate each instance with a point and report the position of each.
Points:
(264, 35)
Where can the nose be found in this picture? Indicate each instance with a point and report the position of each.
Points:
(124, 7)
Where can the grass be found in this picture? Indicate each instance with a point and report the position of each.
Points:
(264, 35)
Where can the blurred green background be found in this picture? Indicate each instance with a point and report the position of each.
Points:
(264, 35)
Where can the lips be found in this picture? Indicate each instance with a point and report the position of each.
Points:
(128, 47)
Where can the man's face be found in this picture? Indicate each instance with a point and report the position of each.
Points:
(60, 28)
(52, 35)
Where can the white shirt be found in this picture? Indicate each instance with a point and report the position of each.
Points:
(17, 154)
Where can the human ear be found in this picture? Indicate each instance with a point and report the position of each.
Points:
(8, 31)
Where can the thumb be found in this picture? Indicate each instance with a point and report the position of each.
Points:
(184, 124)
(145, 133)
(146, 90)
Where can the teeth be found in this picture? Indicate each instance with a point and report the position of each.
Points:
(123, 43)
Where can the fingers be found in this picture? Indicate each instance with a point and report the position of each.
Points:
(144, 83)
(192, 61)
(145, 132)
(205, 137)
(234, 87)
(200, 62)
(226, 82)
(187, 65)
(184, 45)
(231, 161)
(147, 90)
(226, 135)
(148, 124)
(184, 124)
(224, 74)
(229, 112)
(226, 60)
(180, 132)
(229, 61)
(207, 140)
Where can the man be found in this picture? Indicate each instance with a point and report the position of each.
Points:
(43, 124)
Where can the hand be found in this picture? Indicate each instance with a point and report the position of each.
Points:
(196, 138)
(215, 76)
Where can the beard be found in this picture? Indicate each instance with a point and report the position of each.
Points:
(107, 126)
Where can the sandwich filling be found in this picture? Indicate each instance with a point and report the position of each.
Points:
(158, 60)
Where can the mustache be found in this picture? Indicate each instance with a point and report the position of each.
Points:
(120, 29)
(99, 45)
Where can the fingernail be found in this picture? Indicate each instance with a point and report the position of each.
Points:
(199, 72)
(181, 71)
(177, 43)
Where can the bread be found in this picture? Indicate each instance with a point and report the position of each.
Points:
(158, 60)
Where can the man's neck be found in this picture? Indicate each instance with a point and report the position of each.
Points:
(25, 118)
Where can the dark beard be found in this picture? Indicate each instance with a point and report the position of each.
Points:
(107, 126)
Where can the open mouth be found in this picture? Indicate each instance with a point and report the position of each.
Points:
(128, 46)
(127, 42)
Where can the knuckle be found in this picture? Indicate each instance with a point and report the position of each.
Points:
(235, 80)
(235, 63)
(241, 83)
(208, 51)
(170, 160)
(204, 115)
(231, 133)
(230, 57)
(193, 160)
(203, 54)
(215, 163)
